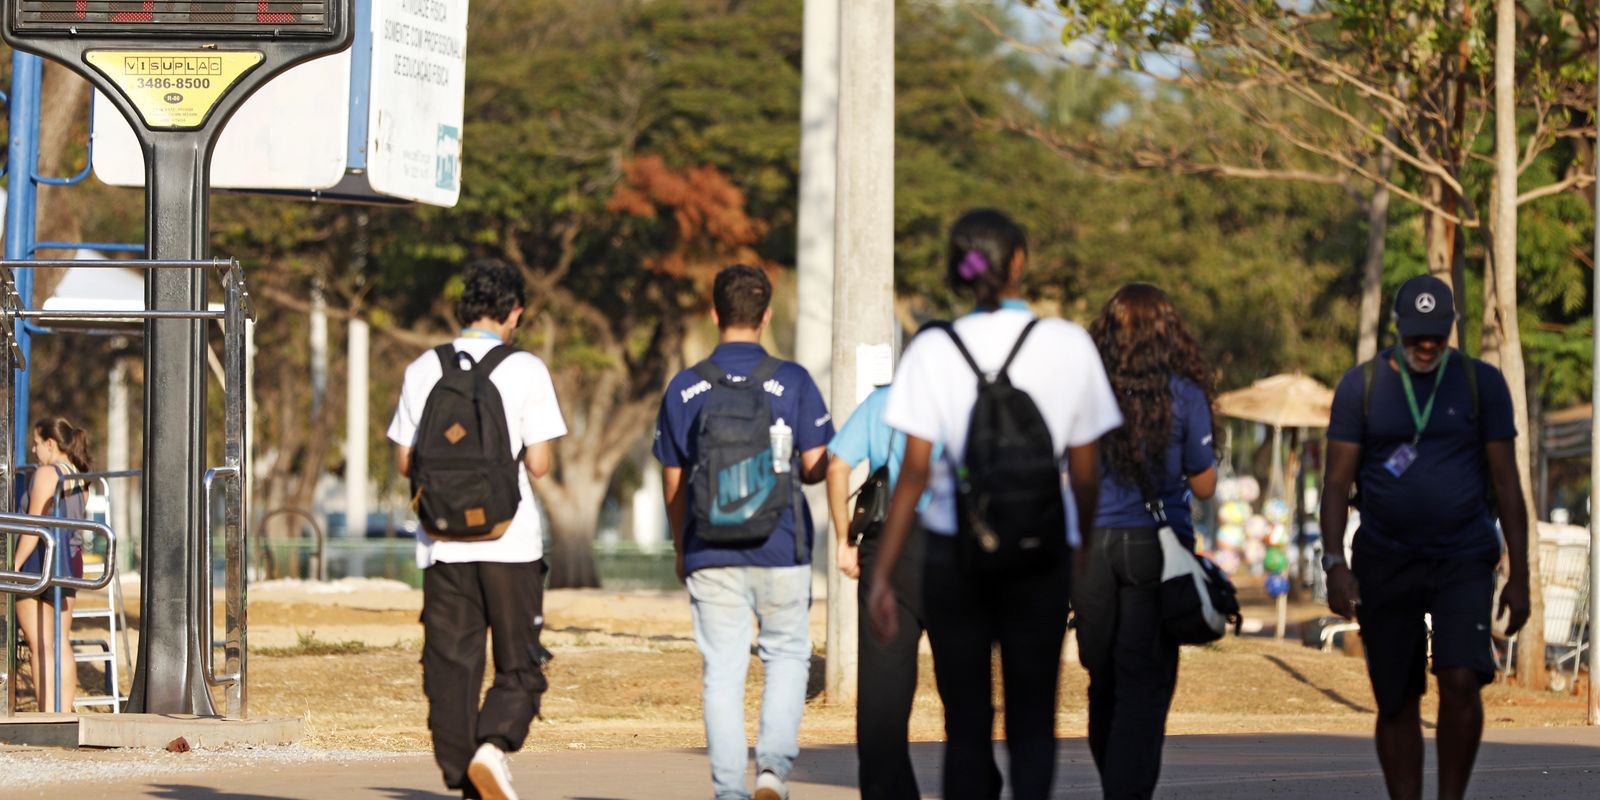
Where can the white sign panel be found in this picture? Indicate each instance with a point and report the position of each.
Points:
(292, 134)
(419, 71)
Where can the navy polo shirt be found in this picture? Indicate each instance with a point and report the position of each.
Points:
(1189, 452)
(795, 398)
(1438, 507)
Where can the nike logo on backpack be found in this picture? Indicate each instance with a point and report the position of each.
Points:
(742, 489)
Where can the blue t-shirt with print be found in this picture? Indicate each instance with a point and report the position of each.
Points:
(1189, 452)
(1438, 506)
(795, 398)
(864, 437)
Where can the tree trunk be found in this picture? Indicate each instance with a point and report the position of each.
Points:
(574, 511)
(1371, 321)
(603, 429)
(1530, 649)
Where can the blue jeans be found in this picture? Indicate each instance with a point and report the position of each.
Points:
(723, 600)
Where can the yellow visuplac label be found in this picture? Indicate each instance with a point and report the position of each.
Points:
(173, 89)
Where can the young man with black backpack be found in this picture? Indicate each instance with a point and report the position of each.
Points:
(474, 424)
(737, 435)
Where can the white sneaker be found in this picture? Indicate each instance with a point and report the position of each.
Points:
(490, 772)
(770, 787)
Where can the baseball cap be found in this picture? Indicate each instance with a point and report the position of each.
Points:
(1424, 306)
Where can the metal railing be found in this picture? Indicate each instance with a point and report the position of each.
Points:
(237, 311)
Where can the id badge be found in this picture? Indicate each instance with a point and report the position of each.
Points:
(1402, 459)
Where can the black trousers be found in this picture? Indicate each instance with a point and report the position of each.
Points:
(1026, 615)
(886, 679)
(460, 603)
(1132, 662)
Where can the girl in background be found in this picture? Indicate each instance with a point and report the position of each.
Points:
(59, 450)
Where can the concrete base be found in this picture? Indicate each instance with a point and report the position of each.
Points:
(144, 730)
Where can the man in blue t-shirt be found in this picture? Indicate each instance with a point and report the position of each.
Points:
(771, 577)
(1426, 452)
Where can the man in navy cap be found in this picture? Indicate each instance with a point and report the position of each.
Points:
(1427, 433)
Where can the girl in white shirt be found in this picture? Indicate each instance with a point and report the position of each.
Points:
(968, 611)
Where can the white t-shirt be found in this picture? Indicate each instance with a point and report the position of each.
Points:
(533, 415)
(934, 391)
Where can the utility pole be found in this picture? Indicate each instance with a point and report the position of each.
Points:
(813, 341)
(863, 270)
(355, 435)
(1594, 463)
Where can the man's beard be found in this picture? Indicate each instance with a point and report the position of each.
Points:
(1412, 364)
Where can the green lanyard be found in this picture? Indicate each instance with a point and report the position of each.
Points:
(1421, 417)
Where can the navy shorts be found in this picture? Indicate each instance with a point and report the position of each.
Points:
(1396, 591)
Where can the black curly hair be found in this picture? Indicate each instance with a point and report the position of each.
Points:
(492, 289)
(1144, 343)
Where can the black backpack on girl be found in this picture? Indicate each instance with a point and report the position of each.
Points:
(1008, 484)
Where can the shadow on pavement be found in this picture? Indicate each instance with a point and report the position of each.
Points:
(1562, 764)
(397, 793)
(191, 792)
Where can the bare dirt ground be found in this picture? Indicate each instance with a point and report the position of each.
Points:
(345, 658)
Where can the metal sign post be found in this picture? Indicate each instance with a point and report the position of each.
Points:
(177, 71)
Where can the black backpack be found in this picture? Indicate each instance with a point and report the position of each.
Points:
(738, 496)
(463, 475)
(1008, 484)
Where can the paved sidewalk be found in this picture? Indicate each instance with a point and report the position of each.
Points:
(1547, 764)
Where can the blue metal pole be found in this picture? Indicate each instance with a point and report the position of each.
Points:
(22, 204)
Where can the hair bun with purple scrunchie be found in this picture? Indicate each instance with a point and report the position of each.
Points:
(973, 265)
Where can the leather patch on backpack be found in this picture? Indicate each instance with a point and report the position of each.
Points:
(454, 434)
(475, 516)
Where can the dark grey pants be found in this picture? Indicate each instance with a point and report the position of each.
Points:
(886, 679)
(460, 604)
(1132, 662)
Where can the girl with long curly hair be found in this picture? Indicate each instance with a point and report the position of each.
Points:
(1162, 455)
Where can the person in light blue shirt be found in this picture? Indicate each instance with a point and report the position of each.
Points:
(886, 680)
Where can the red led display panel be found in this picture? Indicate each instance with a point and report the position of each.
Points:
(158, 18)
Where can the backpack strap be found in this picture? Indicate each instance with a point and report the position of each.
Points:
(1017, 348)
(450, 358)
(1369, 376)
(765, 370)
(1471, 365)
(950, 330)
(710, 372)
(493, 358)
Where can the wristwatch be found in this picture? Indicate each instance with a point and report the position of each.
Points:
(1331, 560)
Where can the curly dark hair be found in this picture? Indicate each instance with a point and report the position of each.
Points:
(1144, 343)
(492, 288)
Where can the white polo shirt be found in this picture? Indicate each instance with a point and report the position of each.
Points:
(934, 391)
(533, 416)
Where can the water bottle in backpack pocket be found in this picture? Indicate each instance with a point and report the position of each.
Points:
(464, 479)
(743, 478)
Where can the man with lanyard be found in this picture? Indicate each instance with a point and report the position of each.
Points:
(1426, 432)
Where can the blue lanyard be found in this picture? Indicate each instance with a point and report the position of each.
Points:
(479, 333)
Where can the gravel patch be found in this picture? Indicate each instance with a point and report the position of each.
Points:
(39, 768)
